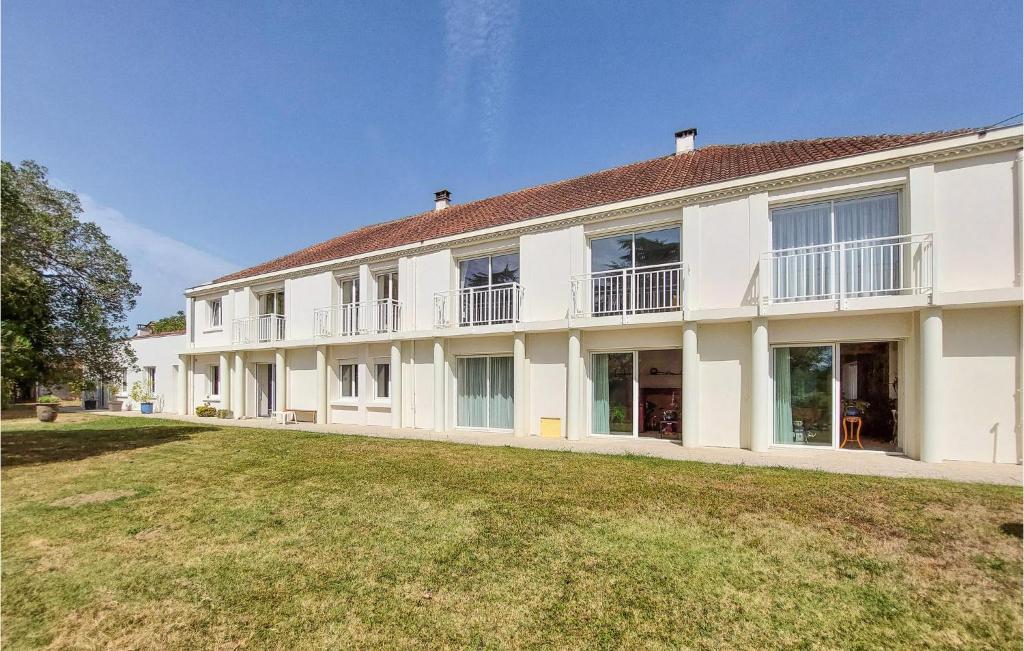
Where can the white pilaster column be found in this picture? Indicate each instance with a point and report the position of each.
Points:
(520, 401)
(760, 403)
(573, 426)
(691, 387)
(181, 390)
(321, 384)
(224, 364)
(931, 384)
(280, 380)
(396, 384)
(439, 383)
(238, 387)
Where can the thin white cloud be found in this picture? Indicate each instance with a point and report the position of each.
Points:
(479, 42)
(163, 266)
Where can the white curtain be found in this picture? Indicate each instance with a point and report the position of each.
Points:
(471, 377)
(602, 414)
(802, 274)
(869, 268)
(500, 409)
(783, 397)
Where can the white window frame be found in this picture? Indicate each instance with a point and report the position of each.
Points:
(213, 380)
(392, 284)
(150, 372)
(215, 312)
(354, 387)
(377, 397)
(454, 410)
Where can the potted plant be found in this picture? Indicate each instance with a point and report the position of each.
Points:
(47, 408)
(206, 411)
(142, 393)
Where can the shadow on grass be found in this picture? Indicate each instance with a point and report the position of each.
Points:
(36, 446)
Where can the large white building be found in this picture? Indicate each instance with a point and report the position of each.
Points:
(779, 294)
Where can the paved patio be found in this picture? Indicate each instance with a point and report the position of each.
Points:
(837, 461)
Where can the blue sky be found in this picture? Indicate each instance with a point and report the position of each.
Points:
(208, 136)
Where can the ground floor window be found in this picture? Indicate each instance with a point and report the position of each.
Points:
(348, 374)
(484, 392)
(837, 395)
(637, 393)
(214, 377)
(382, 380)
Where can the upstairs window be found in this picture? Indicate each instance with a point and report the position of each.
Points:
(489, 271)
(215, 308)
(634, 250)
(387, 286)
(272, 303)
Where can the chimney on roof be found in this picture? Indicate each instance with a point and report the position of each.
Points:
(441, 199)
(143, 330)
(685, 141)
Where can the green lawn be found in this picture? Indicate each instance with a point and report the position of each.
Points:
(127, 533)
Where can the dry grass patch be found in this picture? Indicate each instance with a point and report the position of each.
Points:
(193, 536)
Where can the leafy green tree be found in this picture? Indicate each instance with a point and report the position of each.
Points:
(65, 290)
(172, 323)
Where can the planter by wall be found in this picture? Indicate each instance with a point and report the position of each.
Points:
(146, 407)
(47, 413)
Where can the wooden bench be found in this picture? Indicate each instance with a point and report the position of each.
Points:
(303, 415)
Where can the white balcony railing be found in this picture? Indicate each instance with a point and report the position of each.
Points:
(372, 317)
(637, 290)
(258, 329)
(471, 306)
(883, 266)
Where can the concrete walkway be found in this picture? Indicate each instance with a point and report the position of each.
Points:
(837, 461)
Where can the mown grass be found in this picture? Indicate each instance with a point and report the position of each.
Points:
(126, 533)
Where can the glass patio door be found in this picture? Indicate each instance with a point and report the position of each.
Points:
(805, 384)
(265, 390)
(484, 392)
(612, 409)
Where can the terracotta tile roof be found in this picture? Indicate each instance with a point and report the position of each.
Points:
(711, 164)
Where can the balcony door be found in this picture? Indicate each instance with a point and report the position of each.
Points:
(348, 313)
(489, 289)
(850, 246)
(635, 272)
(387, 313)
(270, 322)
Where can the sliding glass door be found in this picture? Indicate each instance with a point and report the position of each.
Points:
(804, 395)
(612, 405)
(484, 392)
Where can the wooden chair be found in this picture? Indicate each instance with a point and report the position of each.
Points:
(851, 431)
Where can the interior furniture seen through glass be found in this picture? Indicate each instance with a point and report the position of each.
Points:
(803, 395)
(484, 395)
(613, 393)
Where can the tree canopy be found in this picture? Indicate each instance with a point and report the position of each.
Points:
(65, 289)
(172, 323)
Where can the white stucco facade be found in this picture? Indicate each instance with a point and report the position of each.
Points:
(950, 328)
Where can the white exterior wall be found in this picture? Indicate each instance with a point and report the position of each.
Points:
(160, 352)
(981, 358)
(975, 236)
(301, 297)
(969, 203)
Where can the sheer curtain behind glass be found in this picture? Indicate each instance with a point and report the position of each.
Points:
(602, 413)
(869, 268)
(804, 273)
(500, 408)
(471, 377)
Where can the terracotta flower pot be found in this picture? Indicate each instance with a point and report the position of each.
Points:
(46, 413)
